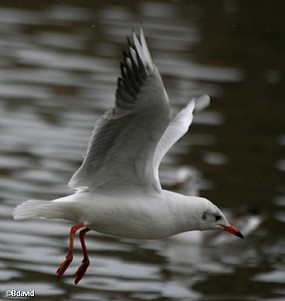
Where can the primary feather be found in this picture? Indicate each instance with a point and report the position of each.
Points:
(121, 149)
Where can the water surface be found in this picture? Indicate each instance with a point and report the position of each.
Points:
(59, 66)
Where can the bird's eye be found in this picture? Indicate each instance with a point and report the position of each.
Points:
(218, 217)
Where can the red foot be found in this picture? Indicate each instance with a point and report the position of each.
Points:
(63, 267)
(81, 270)
(85, 262)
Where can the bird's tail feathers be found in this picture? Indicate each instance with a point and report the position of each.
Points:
(31, 208)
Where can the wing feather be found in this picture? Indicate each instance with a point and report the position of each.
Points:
(121, 149)
(178, 126)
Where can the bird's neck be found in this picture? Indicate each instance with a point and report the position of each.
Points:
(186, 209)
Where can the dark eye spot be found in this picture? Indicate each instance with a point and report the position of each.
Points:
(218, 217)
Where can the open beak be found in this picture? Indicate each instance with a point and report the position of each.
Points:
(233, 230)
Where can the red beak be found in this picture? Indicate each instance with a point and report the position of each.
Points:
(233, 230)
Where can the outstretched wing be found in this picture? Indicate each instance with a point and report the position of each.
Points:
(120, 151)
(178, 126)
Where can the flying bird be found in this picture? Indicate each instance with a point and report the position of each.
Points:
(117, 190)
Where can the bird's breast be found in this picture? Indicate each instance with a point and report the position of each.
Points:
(129, 217)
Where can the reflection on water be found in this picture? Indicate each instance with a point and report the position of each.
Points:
(59, 66)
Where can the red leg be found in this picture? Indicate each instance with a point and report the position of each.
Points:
(62, 268)
(85, 262)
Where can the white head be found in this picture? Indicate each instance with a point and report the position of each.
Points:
(207, 216)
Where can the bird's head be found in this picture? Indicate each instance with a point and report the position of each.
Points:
(211, 217)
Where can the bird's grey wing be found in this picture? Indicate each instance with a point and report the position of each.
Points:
(120, 151)
(178, 126)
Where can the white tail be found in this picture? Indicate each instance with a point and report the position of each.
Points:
(31, 208)
(60, 208)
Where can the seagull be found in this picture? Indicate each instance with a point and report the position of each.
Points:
(117, 190)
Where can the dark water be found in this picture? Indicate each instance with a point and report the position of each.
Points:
(59, 63)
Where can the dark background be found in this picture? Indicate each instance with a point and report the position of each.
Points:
(59, 63)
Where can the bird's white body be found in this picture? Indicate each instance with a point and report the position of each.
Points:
(125, 214)
(117, 187)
